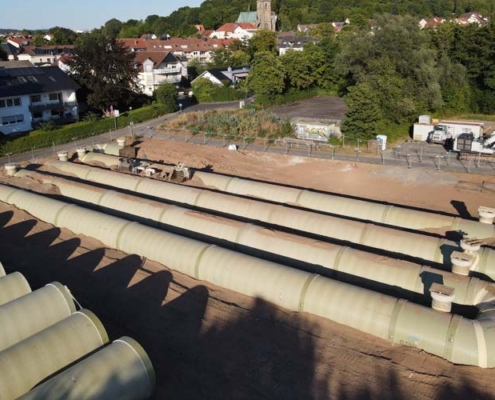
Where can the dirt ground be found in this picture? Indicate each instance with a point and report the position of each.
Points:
(209, 343)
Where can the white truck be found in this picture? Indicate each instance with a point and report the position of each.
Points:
(445, 130)
(468, 143)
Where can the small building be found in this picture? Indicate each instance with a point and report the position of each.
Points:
(241, 31)
(220, 76)
(296, 43)
(319, 130)
(29, 95)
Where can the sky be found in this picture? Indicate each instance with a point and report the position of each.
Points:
(82, 14)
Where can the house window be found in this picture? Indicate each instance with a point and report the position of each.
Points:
(53, 96)
(22, 79)
(37, 115)
(55, 113)
(14, 102)
(36, 98)
(12, 119)
(32, 79)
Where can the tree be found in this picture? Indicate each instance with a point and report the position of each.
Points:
(3, 55)
(203, 90)
(267, 75)
(106, 69)
(363, 117)
(166, 94)
(62, 36)
(298, 68)
(263, 41)
(112, 28)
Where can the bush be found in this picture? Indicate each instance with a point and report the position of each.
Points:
(40, 138)
(207, 92)
(166, 94)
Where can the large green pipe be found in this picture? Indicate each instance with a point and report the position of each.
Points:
(30, 314)
(13, 286)
(27, 363)
(457, 339)
(120, 371)
(392, 273)
(413, 244)
(359, 209)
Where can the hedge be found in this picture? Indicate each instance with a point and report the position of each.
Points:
(79, 130)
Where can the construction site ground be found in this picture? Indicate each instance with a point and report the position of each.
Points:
(209, 343)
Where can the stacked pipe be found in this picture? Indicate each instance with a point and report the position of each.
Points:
(354, 208)
(346, 261)
(450, 336)
(41, 333)
(120, 371)
(416, 245)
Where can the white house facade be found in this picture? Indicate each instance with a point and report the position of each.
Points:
(156, 68)
(29, 95)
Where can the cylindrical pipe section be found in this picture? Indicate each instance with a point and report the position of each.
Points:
(120, 371)
(355, 208)
(27, 363)
(13, 286)
(30, 314)
(450, 336)
(347, 261)
(2, 270)
(416, 245)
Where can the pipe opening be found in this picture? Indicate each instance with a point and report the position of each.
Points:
(63, 156)
(11, 169)
(81, 152)
(471, 245)
(442, 297)
(461, 262)
(486, 215)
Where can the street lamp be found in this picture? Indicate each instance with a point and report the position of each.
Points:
(32, 153)
(8, 157)
(180, 107)
(74, 140)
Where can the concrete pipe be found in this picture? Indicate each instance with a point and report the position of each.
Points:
(347, 262)
(13, 286)
(29, 362)
(2, 270)
(354, 208)
(416, 245)
(30, 314)
(121, 371)
(457, 339)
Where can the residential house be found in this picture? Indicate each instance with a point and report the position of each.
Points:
(10, 50)
(430, 23)
(473, 18)
(241, 31)
(158, 67)
(296, 43)
(44, 55)
(222, 76)
(29, 95)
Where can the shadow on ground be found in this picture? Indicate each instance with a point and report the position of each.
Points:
(202, 347)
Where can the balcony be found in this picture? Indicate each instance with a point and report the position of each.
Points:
(164, 71)
(53, 105)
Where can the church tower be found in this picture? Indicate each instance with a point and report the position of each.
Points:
(264, 12)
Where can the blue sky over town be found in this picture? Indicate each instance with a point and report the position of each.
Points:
(86, 14)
